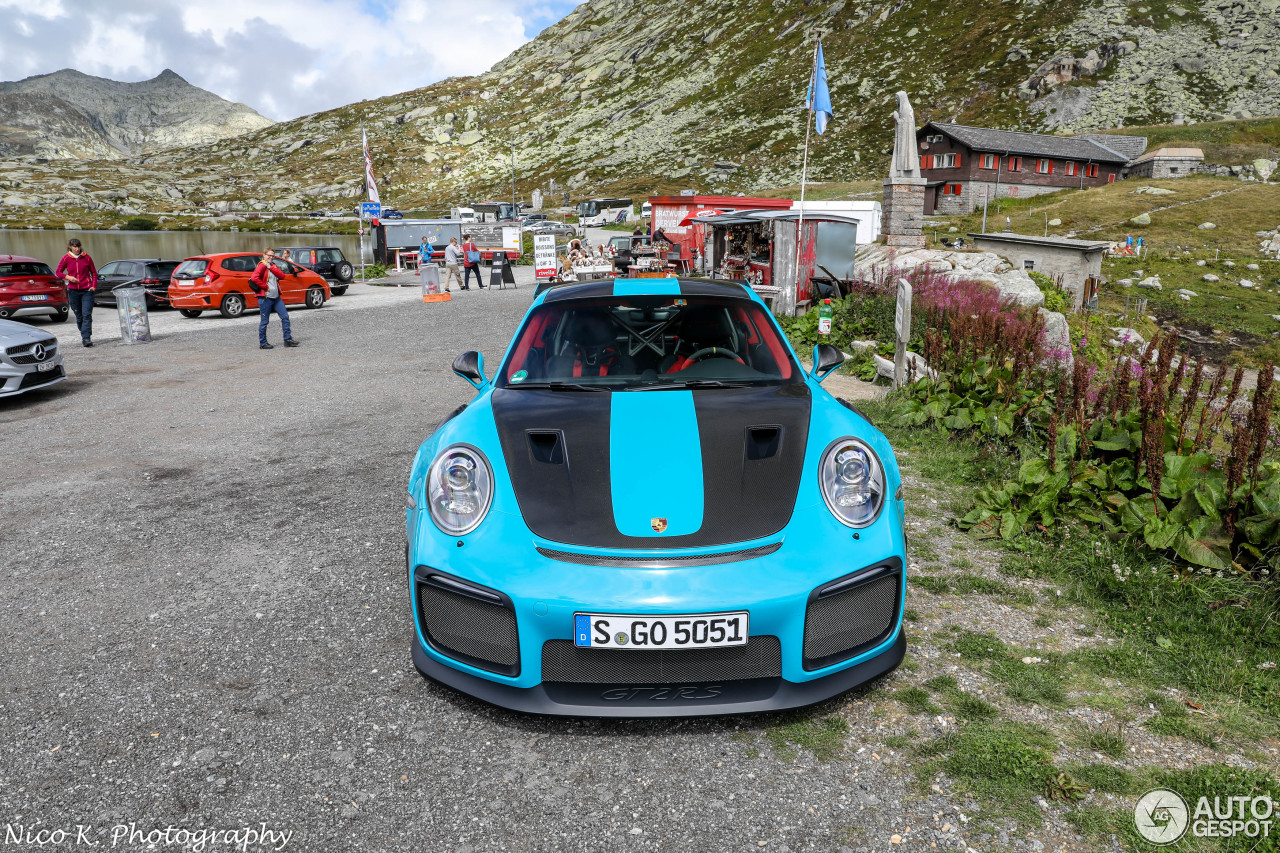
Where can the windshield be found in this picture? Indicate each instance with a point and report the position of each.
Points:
(27, 268)
(587, 208)
(191, 269)
(642, 343)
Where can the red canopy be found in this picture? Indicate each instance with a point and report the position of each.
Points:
(710, 211)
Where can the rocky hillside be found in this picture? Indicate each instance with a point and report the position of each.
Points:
(72, 115)
(634, 98)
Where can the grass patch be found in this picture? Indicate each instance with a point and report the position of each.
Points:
(1038, 683)
(1104, 777)
(1005, 764)
(1110, 741)
(823, 736)
(966, 706)
(899, 742)
(910, 615)
(962, 563)
(917, 701)
(938, 586)
(940, 683)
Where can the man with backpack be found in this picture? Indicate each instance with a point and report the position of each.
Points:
(471, 262)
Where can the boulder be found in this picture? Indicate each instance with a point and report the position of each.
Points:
(1125, 336)
(1228, 263)
(470, 137)
(1209, 277)
(1017, 287)
(1125, 282)
(1252, 267)
(1055, 221)
(1057, 337)
(1200, 263)
(1245, 283)
(71, 226)
(1185, 294)
(16, 201)
(1206, 226)
(1151, 283)
(1141, 219)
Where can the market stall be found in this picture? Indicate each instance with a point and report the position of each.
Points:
(759, 248)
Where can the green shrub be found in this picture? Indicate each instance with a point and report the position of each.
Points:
(140, 223)
(1055, 298)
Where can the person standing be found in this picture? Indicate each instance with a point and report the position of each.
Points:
(452, 257)
(77, 268)
(471, 261)
(265, 282)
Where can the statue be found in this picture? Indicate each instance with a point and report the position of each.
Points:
(906, 157)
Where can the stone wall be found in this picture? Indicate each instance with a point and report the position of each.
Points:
(1165, 167)
(902, 214)
(1072, 265)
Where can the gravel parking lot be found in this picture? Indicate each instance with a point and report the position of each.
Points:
(206, 623)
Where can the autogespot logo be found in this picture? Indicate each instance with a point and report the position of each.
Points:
(1161, 816)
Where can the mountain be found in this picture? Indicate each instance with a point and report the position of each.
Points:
(68, 114)
(630, 98)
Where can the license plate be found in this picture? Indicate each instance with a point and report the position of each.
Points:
(692, 631)
(35, 297)
(45, 365)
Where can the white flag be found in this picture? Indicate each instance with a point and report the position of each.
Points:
(368, 169)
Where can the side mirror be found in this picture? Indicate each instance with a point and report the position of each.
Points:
(470, 366)
(826, 358)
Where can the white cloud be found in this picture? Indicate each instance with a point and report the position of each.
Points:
(284, 58)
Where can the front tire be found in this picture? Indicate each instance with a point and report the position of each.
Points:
(345, 272)
(339, 290)
(190, 312)
(232, 305)
(315, 297)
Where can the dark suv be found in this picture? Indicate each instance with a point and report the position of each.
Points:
(327, 261)
(153, 274)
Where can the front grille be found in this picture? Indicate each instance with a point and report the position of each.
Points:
(22, 354)
(660, 562)
(31, 380)
(564, 662)
(852, 619)
(469, 628)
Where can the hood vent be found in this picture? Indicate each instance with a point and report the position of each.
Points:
(763, 442)
(547, 446)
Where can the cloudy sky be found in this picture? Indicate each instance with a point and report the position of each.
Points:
(284, 58)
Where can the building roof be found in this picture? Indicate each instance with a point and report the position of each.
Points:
(1034, 144)
(1172, 153)
(1033, 240)
(1129, 146)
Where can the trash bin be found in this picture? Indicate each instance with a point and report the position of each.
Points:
(429, 273)
(135, 325)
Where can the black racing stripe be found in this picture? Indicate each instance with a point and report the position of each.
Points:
(572, 502)
(586, 290)
(729, 289)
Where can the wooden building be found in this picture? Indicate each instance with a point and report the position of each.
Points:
(964, 165)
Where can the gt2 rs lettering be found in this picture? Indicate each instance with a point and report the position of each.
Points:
(659, 694)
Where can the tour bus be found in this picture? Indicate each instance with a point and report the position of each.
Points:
(494, 211)
(602, 211)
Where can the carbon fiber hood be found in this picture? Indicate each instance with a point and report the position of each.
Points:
(660, 469)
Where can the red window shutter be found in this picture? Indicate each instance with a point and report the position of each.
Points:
(1050, 167)
(957, 161)
(995, 161)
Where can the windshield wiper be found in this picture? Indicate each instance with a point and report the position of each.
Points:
(692, 383)
(558, 386)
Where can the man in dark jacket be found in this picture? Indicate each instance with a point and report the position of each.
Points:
(77, 268)
(470, 250)
(265, 282)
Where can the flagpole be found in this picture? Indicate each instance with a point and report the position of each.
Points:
(364, 170)
(804, 170)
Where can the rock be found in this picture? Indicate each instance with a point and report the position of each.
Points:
(862, 346)
(1206, 226)
(1184, 297)
(16, 201)
(1126, 336)
(1141, 219)
(1017, 287)
(1200, 263)
(1245, 283)
(470, 137)
(1182, 291)
(1055, 222)
(1209, 277)
(1125, 282)
(1252, 267)
(1151, 283)
(1057, 337)
(1228, 263)
(1152, 191)
(71, 226)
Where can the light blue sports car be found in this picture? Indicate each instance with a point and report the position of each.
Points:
(652, 510)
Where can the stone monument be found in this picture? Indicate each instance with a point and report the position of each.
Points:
(902, 217)
(537, 200)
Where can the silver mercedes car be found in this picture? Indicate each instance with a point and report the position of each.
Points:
(29, 358)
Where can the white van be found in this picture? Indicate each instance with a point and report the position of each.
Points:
(462, 214)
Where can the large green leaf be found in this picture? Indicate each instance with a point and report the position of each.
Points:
(1160, 534)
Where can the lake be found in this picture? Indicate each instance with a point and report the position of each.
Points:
(106, 246)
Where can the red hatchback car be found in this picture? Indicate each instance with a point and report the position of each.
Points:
(221, 282)
(28, 288)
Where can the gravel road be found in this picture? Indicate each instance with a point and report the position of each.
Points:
(206, 625)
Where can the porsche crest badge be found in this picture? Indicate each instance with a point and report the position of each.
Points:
(658, 524)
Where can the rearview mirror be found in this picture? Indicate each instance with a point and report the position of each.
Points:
(826, 359)
(470, 366)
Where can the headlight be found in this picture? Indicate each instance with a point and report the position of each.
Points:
(852, 482)
(459, 489)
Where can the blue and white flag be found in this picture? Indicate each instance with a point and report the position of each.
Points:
(819, 99)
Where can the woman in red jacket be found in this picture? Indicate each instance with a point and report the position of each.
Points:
(265, 282)
(77, 268)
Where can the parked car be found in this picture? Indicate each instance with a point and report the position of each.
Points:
(317, 213)
(328, 261)
(29, 358)
(531, 220)
(391, 213)
(153, 275)
(732, 543)
(28, 288)
(622, 249)
(221, 281)
(335, 214)
(560, 229)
